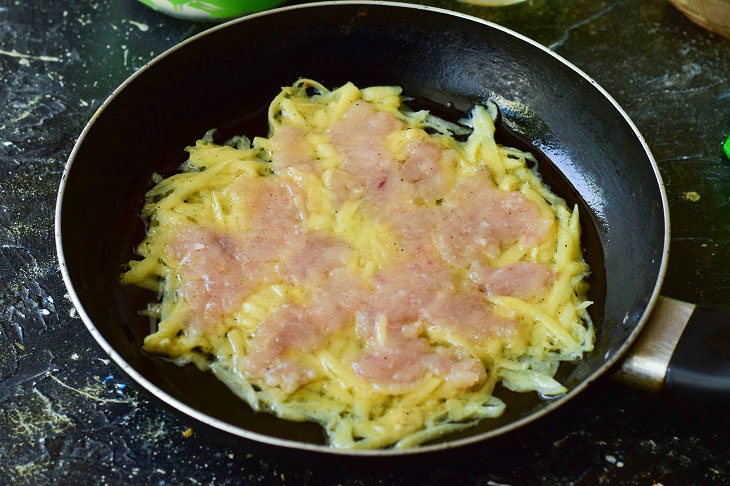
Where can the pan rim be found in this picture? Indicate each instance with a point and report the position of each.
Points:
(292, 444)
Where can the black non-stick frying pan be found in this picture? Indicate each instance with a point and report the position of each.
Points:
(588, 149)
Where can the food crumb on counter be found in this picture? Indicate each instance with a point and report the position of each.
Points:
(187, 433)
(692, 196)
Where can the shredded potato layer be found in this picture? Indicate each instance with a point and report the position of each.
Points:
(335, 371)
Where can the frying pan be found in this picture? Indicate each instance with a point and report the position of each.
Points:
(588, 150)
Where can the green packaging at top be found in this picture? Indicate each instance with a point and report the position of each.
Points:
(210, 10)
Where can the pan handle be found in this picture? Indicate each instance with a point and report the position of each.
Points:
(683, 349)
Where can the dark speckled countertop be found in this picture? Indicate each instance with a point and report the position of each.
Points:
(66, 414)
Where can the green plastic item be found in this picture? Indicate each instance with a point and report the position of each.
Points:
(210, 10)
(726, 147)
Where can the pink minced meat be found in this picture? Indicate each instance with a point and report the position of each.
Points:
(424, 168)
(439, 229)
(481, 219)
(360, 136)
(524, 280)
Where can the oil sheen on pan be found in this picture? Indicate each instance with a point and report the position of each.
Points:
(374, 269)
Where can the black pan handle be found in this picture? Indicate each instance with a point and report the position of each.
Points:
(684, 349)
(700, 364)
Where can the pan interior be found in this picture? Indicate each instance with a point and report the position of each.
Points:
(586, 151)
